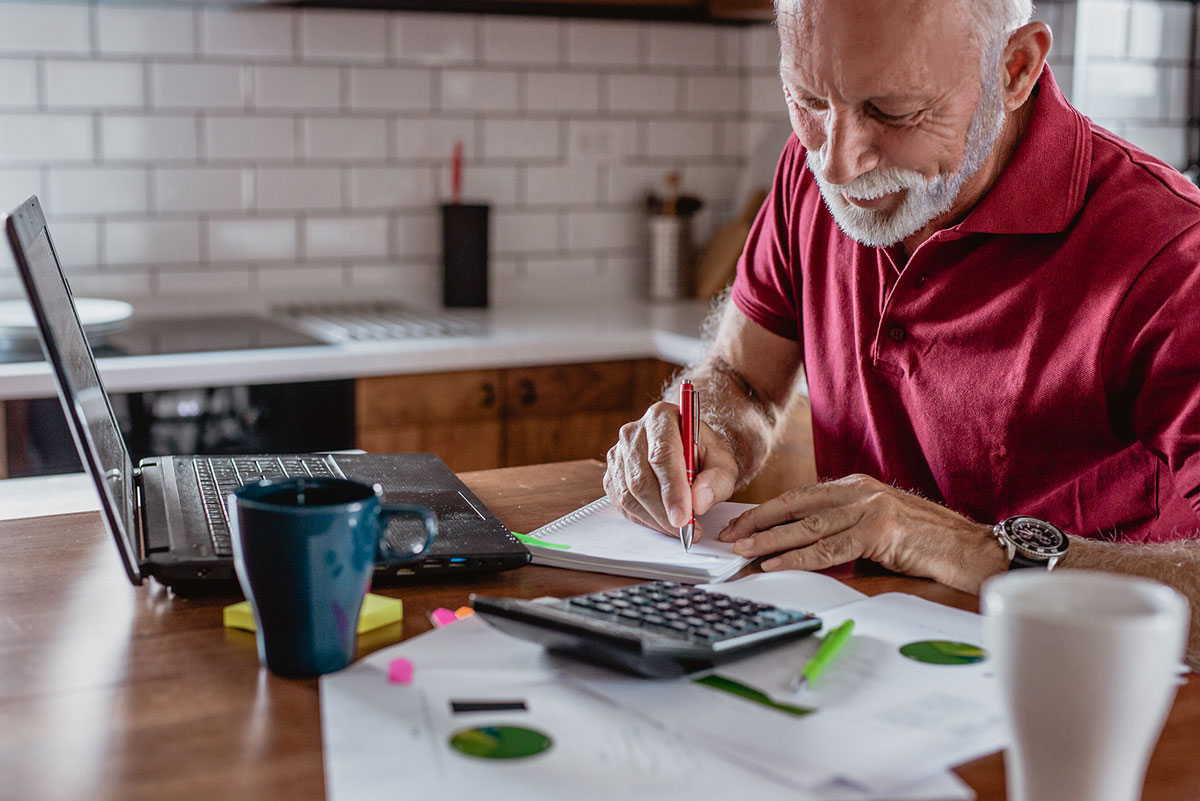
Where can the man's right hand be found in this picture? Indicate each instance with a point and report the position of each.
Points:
(646, 478)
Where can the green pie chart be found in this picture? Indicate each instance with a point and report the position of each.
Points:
(499, 742)
(944, 652)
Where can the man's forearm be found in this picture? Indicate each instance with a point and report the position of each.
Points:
(732, 408)
(1176, 564)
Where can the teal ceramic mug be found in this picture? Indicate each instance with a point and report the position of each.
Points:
(304, 550)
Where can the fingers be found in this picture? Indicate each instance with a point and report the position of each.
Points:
(827, 552)
(718, 475)
(806, 531)
(622, 499)
(798, 503)
(665, 457)
(645, 474)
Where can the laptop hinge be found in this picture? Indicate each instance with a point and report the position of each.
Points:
(139, 507)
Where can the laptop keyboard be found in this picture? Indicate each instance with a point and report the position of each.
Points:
(220, 475)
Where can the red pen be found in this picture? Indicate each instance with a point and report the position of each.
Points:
(456, 174)
(689, 424)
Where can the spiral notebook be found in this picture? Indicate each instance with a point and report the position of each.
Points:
(600, 539)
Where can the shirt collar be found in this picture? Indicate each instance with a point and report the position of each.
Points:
(1044, 185)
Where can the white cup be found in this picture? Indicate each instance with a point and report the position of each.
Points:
(1088, 665)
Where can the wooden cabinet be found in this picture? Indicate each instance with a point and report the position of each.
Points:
(479, 419)
(455, 415)
(495, 418)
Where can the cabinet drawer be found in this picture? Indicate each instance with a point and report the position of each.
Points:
(382, 402)
(569, 389)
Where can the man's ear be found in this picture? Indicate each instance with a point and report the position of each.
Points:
(1024, 56)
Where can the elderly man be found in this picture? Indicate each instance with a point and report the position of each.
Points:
(995, 304)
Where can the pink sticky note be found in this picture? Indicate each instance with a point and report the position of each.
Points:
(442, 616)
(400, 671)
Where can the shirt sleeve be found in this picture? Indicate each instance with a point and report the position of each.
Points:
(764, 288)
(1152, 361)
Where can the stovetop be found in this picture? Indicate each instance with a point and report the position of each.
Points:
(182, 335)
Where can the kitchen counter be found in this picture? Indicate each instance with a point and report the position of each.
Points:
(509, 337)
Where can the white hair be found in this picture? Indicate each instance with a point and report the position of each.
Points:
(996, 18)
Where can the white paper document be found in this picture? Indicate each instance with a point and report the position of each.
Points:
(600, 539)
(882, 728)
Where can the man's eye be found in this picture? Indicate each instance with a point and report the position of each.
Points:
(893, 119)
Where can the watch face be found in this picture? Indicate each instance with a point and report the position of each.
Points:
(1037, 537)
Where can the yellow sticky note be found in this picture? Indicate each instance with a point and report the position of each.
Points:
(377, 611)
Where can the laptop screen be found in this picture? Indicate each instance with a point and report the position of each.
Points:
(93, 424)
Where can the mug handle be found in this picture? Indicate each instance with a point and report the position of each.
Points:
(387, 511)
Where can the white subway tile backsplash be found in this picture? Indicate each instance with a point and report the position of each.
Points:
(345, 237)
(252, 239)
(1176, 106)
(47, 138)
(130, 283)
(601, 141)
(1106, 28)
(603, 43)
(434, 39)
(522, 139)
(1161, 30)
(44, 28)
(279, 87)
(151, 242)
(250, 138)
(390, 89)
(524, 232)
(142, 137)
(200, 189)
(670, 45)
(478, 90)
(556, 91)
(345, 139)
(628, 185)
(480, 184)
(416, 284)
(207, 281)
(142, 31)
(298, 188)
(98, 190)
(1125, 90)
(760, 47)
(91, 84)
(573, 184)
(77, 243)
(681, 139)
(764, 95)
(250, 33)
(604, 230)
(208, 86)
(717, 95)
(416, 235)
(16, 186)
(342, 37)
(432, 137)
(391, 187)
(304, 282)
(642, 93)
(521, 41)
(18, 83)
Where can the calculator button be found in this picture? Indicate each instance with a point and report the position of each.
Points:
(705, 632)
(629, 614)
(654, 620)
(678, 625)
(606, 608)
(620, 603)
(711, 618)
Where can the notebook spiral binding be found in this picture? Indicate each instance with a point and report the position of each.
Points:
(570, 519)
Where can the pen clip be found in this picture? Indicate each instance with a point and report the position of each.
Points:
(695, 419)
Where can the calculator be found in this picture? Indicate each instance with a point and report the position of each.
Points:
(660, 629)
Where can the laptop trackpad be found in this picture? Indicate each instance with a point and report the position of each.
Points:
(449, 506)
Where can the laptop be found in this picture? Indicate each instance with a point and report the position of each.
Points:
(168, 515)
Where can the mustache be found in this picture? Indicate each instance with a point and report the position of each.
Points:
(870, 185)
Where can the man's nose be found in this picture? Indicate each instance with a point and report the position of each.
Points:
(850, 148)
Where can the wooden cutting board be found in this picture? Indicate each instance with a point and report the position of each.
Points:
(717, 263)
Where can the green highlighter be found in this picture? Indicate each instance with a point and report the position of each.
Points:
(831, 645)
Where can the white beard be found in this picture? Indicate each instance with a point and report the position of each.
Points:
(925, 199)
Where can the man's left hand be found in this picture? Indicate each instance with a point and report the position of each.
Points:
(827, 524)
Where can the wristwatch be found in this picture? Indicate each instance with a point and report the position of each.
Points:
(1030, 542)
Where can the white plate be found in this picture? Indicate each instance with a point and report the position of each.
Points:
(100, 318)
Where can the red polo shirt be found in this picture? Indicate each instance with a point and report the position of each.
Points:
(1041, 357)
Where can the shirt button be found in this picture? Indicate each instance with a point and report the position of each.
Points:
(897, 333)
(920, 282)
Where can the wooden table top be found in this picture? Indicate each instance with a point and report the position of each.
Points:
(110, 691)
